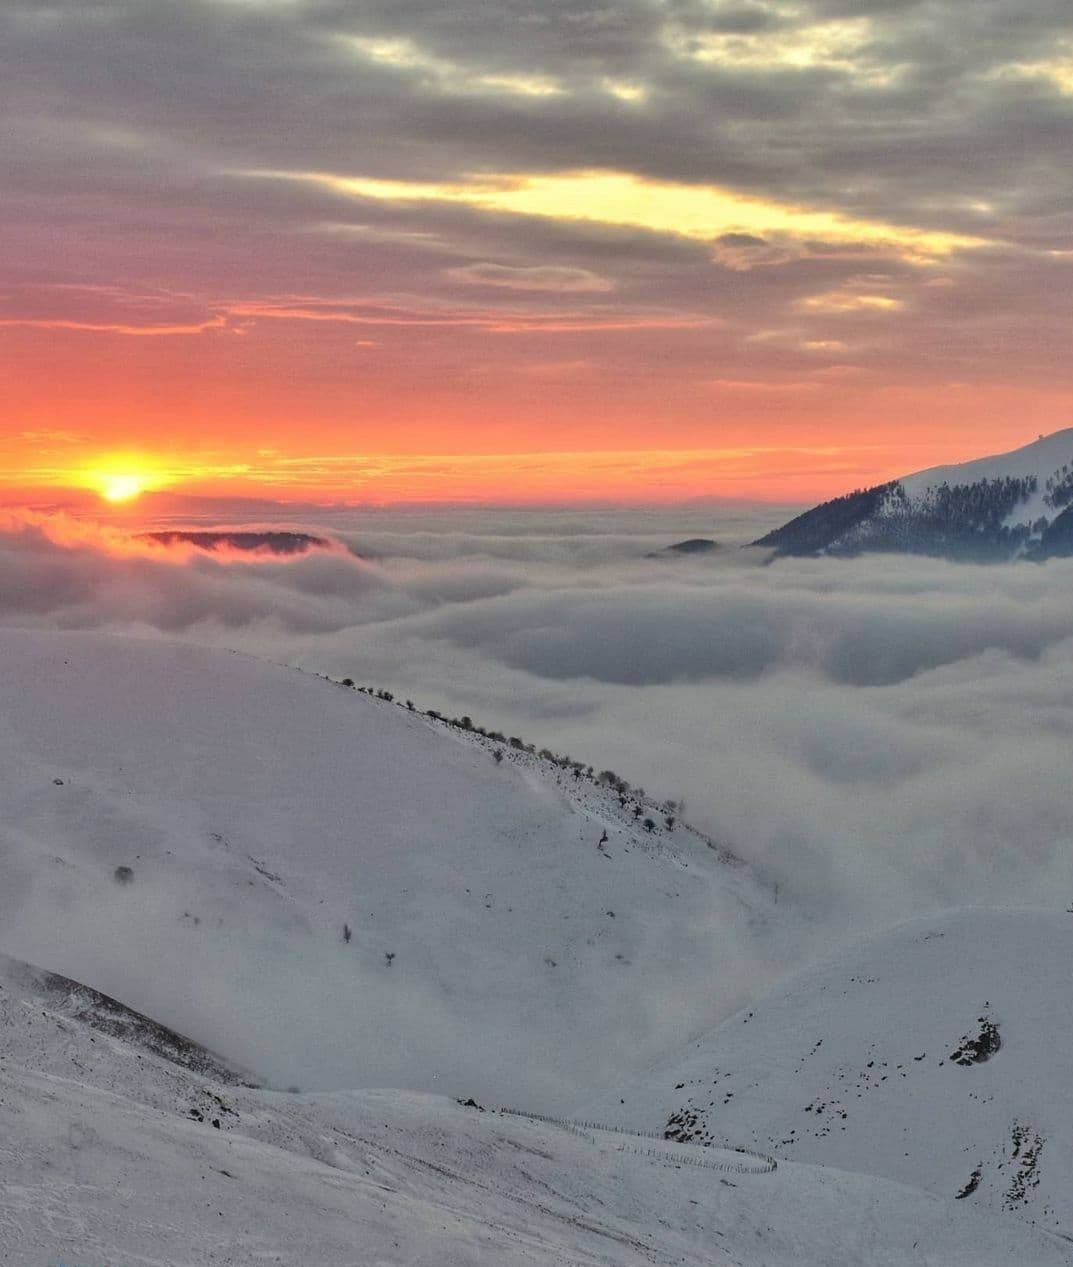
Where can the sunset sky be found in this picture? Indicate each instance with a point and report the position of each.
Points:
(495, 250)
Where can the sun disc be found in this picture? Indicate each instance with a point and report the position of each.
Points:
(122, 488)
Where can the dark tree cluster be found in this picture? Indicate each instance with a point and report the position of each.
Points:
(964, 521)
(606, 778)
(1055, 538)
(1058, 488)
(961, 521)
(817, 528)
(982, 506)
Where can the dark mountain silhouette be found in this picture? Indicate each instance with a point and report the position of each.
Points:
(273, 542)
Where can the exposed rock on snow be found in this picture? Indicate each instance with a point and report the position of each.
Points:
(981, 1046)
(851, 1065)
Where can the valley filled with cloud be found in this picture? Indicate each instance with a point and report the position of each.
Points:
(881, 736)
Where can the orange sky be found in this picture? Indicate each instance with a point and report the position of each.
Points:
(194, 417)
(418, 256)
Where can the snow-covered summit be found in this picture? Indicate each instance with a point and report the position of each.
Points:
(1039, 459)
(1010, 505)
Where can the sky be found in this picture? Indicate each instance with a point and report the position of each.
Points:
(487, 250)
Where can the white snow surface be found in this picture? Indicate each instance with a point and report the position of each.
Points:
(1043, 458)
(850, 1065)
(536, 967)
(261, 810)
(113, 1157)
(1040, 458)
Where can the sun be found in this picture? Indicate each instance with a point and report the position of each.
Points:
(121, 487)
(118, 478)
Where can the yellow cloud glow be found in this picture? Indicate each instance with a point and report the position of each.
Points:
(701, 212)
(1057, 70)
(405, 55)
(123, 477)
(850, 301)
(632, 93)
(841, 45)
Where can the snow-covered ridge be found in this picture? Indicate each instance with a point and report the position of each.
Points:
(338, 892)
(113, 1154)
(1012, 505)
(1038, 459)
(76, 1002)
(939, 1053)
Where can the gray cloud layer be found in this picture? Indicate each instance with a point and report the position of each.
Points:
(130, 124)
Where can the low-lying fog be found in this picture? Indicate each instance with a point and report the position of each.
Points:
(885, 734)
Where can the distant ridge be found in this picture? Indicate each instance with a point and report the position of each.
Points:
(1009, 506)
(101, 1012)
(282, 543)
(694, 545)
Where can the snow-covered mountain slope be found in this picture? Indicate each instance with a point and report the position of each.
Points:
(113, 1154)
(1010, 505)
(338, 892)
(938, 1054)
